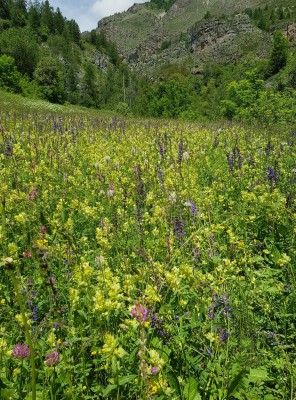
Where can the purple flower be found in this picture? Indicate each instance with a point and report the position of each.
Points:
(272, 174)
(161, 149)
(154, 370)
(52, 359)
(20, 351)
(139, 312)
(179, 228)
(32, 194)
(181, 149)
(223, 335)
(209, 352)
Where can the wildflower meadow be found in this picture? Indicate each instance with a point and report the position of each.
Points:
(146, 259)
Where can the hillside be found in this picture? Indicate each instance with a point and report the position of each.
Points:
(193, 31)
(43, 55)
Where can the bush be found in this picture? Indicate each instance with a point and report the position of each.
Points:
(9, 75)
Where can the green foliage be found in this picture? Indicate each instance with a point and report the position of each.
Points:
(249, 100)
(290, 72)
(89, 87)
(48, 75)
(279, 53)
(46, 20)
(4, 9)
(172, 97)
(162, 4)
(123, 108)
(21, 44)
(9, 76)
(165, 44)
(18, 12)
(207, 15)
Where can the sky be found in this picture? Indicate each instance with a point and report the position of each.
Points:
(87, 13)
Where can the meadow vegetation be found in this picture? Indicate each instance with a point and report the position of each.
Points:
(144, 259)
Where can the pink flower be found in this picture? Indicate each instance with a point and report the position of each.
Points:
(154, 370)
(43, 229)
(52, 359)
(139, 312)
(32, 194)
(27, 254)
(20, 351)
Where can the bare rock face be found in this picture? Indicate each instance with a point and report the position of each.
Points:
(220, 39)
(291, 32)
(100, 60)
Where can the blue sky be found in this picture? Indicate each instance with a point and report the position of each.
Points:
(87, 13)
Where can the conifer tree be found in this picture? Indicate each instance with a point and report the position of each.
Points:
(279, 53)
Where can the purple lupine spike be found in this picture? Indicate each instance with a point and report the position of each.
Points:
(161, 149)
(180, 151)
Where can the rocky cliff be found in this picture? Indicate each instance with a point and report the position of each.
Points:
(148, 38)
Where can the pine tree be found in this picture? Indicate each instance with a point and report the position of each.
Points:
(59, 22)
(4, 9)
(279, 53)
(18, 12)
(47, 20)
(34, 17)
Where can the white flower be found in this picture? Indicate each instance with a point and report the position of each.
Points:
(185, 156)
(172, 197)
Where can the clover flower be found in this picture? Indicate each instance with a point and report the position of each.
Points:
(154, 370)
(52, 359)
(20, 351)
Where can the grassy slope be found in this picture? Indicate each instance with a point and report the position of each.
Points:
(14, 102)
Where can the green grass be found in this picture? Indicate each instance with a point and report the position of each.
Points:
(18, 103)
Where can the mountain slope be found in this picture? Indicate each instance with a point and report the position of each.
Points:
(191, 31)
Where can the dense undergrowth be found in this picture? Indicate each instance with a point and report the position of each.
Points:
(145, 259)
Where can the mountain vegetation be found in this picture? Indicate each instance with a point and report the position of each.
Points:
(238, 66)
(44, 55)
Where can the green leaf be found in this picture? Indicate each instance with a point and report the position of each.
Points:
(82, 314)
(173, 382)
(236, 381)
(122, 380)
(109, 389)
(216, 260)
(258, 374)
(191, 390)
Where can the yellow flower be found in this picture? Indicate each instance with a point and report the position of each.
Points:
(20, 217)
(151, 294)
(51, 339)
(3, 345)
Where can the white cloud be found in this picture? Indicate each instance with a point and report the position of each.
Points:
(104, 8)
(87, 13)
